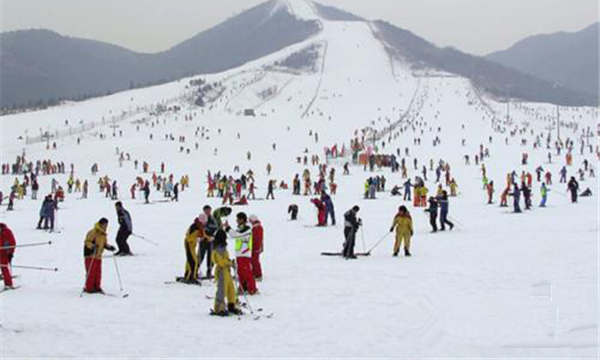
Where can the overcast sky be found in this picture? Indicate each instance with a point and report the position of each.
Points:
(474, 26)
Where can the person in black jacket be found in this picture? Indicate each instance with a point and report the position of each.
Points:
(573, 187)
(293, 211)
(433, 213)
(205, 245)
(526, 195)
(146, 190)
(351, 225)
(125, 229)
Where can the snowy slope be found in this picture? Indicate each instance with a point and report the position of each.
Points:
(498, 285)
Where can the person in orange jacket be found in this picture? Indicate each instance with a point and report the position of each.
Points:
(7, 251)
(257, 246)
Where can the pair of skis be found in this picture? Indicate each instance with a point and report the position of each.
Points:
(118, 296)
(340, 254)
(9, 288)
(244, 305)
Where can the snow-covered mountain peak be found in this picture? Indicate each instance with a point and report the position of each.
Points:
(301, 9)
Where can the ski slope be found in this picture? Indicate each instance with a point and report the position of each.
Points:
(499, 285)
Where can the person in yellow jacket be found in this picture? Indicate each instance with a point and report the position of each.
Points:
(453, 187)
(439, 190)
(404, 230)
(225, 297)
(95, 243)
(194, 233)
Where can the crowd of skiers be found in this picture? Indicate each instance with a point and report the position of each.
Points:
(206, 240)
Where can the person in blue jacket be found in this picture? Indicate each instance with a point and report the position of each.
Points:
(329, 208)
(444, 204)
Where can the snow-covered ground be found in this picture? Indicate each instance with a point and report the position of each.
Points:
(498, 285)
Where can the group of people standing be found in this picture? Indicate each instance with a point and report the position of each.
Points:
(207, 239)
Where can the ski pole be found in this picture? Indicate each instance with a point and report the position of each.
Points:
(237, 284)
(378, 242)
(25, 245)
(87, 276)
(456, 221)
(143, 238)
(362, 235)
(118, 273)
(30, 267)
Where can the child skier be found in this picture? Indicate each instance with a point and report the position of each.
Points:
(222, 270)
(95, 243)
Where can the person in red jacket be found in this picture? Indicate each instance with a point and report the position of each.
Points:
(322, 211)
(257, 246)
(7, 250)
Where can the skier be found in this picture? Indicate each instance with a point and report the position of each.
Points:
(526, 195)
(257, 246)
(351, 225)
(516, 194)
(49, 206)
(407, 186)
(563, 175)
(329, 208)
(205, 245)
(293, 211)
(573, 187)
(404, 230)
(95, 243)
(433, 213)
(504, 197)
(544, 195)
(243, 253)
(7, 251)
(146, 190)
(270, 188)
(175, 193)
(225, 287)
(490, 192)
(221, 213)
(444, 205)
(322, 210)
(125, 229)
(194, 233)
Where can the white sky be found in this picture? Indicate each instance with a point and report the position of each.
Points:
(474, 26)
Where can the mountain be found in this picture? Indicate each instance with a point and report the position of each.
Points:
(489, 76)
(40, 64)
(569, 59)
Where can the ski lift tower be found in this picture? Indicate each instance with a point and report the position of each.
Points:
(556, 86)
(114, 127)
